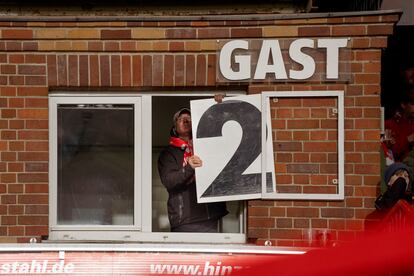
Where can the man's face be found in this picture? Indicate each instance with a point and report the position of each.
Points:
(408, 109)
(408, 75)
(183, 125)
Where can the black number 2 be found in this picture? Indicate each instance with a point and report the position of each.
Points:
(231, 180)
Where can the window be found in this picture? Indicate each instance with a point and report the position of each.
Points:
(104, 183)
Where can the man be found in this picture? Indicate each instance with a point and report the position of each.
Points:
(401, 127)
(398, 179)
(176, 166)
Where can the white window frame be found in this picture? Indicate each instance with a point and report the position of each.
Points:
(141, 231)
(54, 101)
(339, 94)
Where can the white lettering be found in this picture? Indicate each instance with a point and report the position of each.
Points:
(5, 268)
(277, 67)
(242, 60)
(332, 55)
(270, 59)
(305, 60)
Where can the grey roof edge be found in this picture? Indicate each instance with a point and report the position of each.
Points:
(4, 17)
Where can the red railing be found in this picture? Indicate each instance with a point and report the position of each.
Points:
(399, 218)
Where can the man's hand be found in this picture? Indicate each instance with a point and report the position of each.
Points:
(219, 97)
(195, 161)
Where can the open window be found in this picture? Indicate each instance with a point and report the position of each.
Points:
(274, 145)
(308, 141)
(104, 182)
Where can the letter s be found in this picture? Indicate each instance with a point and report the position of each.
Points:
(5, 268)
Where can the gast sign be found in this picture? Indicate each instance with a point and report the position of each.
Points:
(237, 63)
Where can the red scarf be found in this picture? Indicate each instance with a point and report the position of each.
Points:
(187, 147)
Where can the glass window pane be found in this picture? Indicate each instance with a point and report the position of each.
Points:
(95, 164)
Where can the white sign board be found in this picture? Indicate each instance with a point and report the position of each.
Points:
(227, 137)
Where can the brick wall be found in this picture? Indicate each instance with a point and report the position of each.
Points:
(39, 56)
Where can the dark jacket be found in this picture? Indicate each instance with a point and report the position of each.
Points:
(180, 183)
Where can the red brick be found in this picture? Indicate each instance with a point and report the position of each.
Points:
(16, 80)
(33, 114)
(8, 199)
(285, 234)
(261, 222)
(36, 209)
(33, 135)
(371, 55)
(36, 167)
(180, 33)
(83, 70)
(51, 70)
(8, 113)
(157, 70)
(284, 223)
(95, 46)
(16, 58)
(337, 224)
(137, 71)
(168, 71)
(34, 58)
(17, 34)
(36, 230)
(94, 70)
(36, 188)
(213, 33)
(111, 46)
(8, 69)
(15, 167)
(115, 70)
(16, 209)
(320, 146)
(35, 80)
(303, 212)
(8, 135)
(176, 46)
(337, 212)
(105, 71)
(201, 72)
(314, 31)
(16, 145)
(8, 156)
(126, 77)
(258, 212)
(62, 79)
(256, 233)
(15, 230)
(32, 91)
(246, 32)
(179, 70)
(37, 124)
(33, 156)
(15, 188)
(190, 70)
(32, 177)
(8, 220)
(348, 30)
(33, 220)
(147, 64)
(73, 68)
(37, 146)
(288, 146)
(31, 69)
(16, 102)
(115, 34)
(33, 199)
(382, 29)
(8, 178)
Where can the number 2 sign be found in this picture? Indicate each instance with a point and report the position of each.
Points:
(227, 137)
